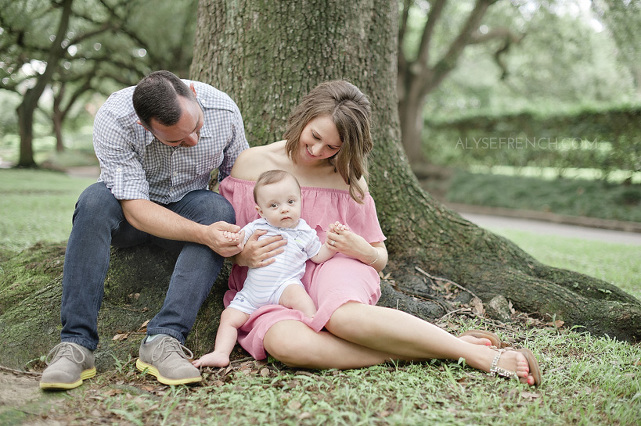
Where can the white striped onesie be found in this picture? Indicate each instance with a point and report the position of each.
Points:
(266, 284)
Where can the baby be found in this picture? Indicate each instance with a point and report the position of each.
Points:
(278, 202)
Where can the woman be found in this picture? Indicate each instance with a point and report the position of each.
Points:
(326, 145)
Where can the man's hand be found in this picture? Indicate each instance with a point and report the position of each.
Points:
(224, 238)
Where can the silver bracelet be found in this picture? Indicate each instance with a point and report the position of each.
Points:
(376, 259)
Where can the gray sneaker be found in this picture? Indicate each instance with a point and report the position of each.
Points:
(168, 360)
(68, 365)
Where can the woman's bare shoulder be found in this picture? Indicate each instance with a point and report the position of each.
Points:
(253, 161)
(363, 184)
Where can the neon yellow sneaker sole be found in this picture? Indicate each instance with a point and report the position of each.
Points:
(148, 368)
(86, 374)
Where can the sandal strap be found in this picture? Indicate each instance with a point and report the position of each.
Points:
(495, 370)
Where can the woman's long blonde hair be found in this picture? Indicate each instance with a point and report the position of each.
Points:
(350, 111)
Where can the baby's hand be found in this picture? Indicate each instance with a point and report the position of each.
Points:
(338, 227)
(231, 236)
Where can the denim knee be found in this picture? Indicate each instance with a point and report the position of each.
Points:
(205, 207)
(97, 203)
(225, 211)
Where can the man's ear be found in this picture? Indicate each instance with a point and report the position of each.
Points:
(139, 122)
(193, 88)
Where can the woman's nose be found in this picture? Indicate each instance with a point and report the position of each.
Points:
(315, 149)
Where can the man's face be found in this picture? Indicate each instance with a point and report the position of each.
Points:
(186, 132)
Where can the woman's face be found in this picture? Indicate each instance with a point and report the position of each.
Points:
(319, 140)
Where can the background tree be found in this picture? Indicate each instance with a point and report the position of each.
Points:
(623, 20)
(31, 95)
(77, 49)
(422, 70)
(521, 55)
(268, 55)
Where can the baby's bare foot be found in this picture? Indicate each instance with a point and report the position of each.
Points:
(212, 359)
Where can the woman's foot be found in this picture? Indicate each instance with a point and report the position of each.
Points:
(519, 363)
(481, 337)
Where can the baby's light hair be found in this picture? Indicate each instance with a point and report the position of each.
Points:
(269, 177)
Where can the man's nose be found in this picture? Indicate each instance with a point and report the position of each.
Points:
(191, 140)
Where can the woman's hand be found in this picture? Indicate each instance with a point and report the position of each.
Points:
(341, 239)
(258, 253)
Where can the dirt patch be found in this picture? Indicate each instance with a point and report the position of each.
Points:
(17, 390)
(21, 400)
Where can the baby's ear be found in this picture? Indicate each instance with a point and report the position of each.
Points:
(259, 210)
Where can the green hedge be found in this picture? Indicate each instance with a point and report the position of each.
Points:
(606, 140)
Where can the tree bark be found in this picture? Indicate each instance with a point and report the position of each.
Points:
(268, 55)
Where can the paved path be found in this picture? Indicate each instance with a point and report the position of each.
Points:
(549, 228)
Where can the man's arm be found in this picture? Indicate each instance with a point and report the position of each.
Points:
(156, 220)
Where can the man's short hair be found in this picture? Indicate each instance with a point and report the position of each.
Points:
(156, 96)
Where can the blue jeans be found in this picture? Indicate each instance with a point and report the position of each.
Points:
(98, 223)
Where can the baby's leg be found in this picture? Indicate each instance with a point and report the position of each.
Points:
(295, 297)
(230, 320)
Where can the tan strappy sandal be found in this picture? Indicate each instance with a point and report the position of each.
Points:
(535, 371)
(482, 334)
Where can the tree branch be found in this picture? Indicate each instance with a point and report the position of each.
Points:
(436, 10)
(402, 28)
(448, 62)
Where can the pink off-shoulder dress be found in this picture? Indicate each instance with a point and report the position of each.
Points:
(330, 284)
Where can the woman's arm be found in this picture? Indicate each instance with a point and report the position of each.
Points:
(347, 242)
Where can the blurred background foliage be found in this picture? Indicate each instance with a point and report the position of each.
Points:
(564, 72)
(59, 59)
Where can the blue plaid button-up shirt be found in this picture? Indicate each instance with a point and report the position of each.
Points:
(135, 165)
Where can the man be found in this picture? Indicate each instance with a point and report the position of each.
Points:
(157, 144)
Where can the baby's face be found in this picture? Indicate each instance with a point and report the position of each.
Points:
(280, 204)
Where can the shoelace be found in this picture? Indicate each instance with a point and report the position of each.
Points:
(67, 350)
(166, 346)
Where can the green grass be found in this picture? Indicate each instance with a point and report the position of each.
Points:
(618, 264)
(37, 205)
(587, 380)
(574, 197)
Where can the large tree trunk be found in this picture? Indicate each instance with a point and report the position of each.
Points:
(267, 55)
